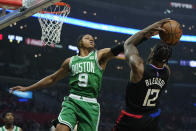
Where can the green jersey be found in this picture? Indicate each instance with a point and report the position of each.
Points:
(86, 75)
(16, 128)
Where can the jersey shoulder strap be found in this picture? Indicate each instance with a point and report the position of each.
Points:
(16, 128)
(97, 61)
(70, 62)
(2, 128)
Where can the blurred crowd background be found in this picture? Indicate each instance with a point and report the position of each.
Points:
(24, 63)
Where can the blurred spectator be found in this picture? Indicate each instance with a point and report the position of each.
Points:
(8, 120)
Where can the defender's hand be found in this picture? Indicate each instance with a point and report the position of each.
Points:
(18, 88)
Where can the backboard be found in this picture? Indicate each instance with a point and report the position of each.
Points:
(22, 11)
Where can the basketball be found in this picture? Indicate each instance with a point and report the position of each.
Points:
(172, 33)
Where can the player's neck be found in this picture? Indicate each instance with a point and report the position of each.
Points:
(85, 52)
(157, 64)
(9, 126)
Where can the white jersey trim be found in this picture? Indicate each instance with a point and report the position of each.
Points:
(70, 63)
(86, 56)
(12, 129)
(98, 118)
(97, 62)
(82, 98)
(64, 122)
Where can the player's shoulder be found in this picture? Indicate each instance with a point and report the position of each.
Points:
(19, 128)
(67, 60)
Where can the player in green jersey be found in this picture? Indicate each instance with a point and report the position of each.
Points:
(85, 72)
(8, 119)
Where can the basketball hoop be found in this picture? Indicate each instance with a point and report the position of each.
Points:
(51, 27)
(26, 8)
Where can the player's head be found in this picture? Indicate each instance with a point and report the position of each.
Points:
(8, 117)
(85, 41)
(160, 53)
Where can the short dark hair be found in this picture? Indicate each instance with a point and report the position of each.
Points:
(5, 113)
(162, 52)
(79, 39)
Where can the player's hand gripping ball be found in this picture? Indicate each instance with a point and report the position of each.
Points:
(172, 33)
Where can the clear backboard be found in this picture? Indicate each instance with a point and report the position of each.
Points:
(24, 9)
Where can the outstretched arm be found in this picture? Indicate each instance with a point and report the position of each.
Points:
(132, 56)
(47, 81)
(131, 52)
(104, 55)
(147, 32)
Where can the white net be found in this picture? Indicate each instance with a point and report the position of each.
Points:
(29, 3)
(51, 20)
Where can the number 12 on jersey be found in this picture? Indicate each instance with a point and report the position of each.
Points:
(149, 101)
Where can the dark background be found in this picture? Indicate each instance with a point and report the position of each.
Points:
(20, 66)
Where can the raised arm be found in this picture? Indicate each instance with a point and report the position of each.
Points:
(104, 55)
(131, 53)
(132, 56)
(48, 80)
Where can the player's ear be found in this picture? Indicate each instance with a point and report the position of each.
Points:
(152, 51)
(80, 43)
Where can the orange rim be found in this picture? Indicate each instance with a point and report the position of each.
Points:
(58, 12)
(62, 4)
(46, 12)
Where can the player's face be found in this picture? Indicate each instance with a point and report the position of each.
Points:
(9, 118)
(88, 41)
